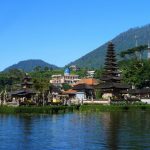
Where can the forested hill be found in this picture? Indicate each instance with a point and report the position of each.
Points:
(123, 41)
(29, 65)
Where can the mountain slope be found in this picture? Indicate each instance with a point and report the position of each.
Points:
(29, 65)
(123, 41)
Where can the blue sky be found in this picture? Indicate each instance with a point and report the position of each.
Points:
(60, 31)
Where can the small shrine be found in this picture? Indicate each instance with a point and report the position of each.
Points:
(111, 86)
(26, 91)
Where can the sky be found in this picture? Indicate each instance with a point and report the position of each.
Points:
(61, 31)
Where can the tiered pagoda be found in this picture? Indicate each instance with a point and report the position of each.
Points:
(111, 86)
(26, 82)
(26, 89)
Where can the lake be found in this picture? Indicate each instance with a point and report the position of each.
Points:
(76, 131)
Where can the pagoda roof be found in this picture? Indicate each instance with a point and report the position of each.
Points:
(25, 83)
(82, 87)
(27, 77)
(23, 92)
(113, 59)
(111, 74)
(106, 78)
(111, 67)
(110, 62)
(111, 54)
(107, 72)
(111, 85)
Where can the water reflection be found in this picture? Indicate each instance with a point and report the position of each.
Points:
(112, 120)
(78, 131)
(128, 130)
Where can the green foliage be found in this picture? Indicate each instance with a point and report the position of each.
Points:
(66, 86)
(41, 84)
(98, 94)
(125, 107)
(136, 72)
(132, 52)
(9, 80)
(64, 109)
(35, 109)
(98, 73)
(82, 72)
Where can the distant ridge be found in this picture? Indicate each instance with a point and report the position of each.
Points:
(29, 65)
(123, 41)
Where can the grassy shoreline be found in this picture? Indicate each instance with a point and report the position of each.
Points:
(114, 107)
(65, 109)
(37, 109)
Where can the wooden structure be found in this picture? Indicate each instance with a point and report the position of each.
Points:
(111, 85)
(87, 89)
(26, 91)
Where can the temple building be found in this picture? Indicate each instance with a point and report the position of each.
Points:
(111, 85)
(26, 91)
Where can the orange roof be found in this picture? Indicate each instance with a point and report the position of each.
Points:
(70, 91)
(88, 81)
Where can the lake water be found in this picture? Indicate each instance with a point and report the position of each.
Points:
(76, 131)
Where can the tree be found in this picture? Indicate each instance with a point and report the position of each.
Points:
(66, 86)
(42, 86)
(46, 69)
(98, 73)
(9, 80)
(37, 68)
(136, 72)
(135, 52)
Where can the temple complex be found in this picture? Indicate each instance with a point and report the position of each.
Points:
(111, 85)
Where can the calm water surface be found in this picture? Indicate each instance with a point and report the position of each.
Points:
(77, 131)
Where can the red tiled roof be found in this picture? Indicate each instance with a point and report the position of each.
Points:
(88, 81)
(70, 91)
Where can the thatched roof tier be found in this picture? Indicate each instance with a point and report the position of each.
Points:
(23, 93)
(27, 83)
(111, 76)
(110, 62)
(26, 90)
(82, 87)
(111, 72)
(112, 85)
(110, 58)
(110, 67)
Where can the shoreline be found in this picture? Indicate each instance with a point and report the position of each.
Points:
(66, 109)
